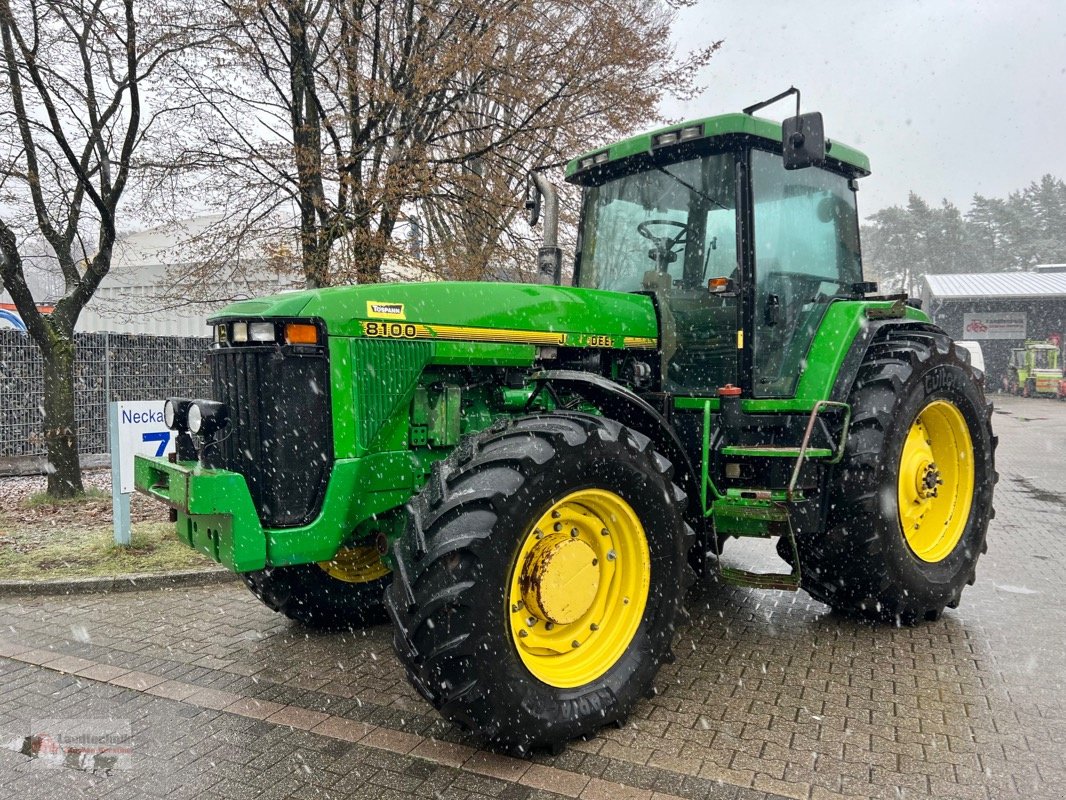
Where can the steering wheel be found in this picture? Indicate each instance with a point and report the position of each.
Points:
(664, 253)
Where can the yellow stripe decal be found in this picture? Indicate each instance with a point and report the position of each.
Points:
(416, 330)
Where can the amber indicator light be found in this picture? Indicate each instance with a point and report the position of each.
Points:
(301, 333)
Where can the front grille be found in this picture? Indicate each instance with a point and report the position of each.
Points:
(279, 434)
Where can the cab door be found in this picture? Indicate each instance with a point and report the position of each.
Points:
(805, 233)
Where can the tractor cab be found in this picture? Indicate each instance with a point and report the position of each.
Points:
(742, 255)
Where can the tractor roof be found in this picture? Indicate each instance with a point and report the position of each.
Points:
(709, 127)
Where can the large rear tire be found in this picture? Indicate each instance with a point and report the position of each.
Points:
(346, 592)
(540, 578)
(911, 500)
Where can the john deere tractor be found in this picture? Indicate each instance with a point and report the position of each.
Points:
(525, 478)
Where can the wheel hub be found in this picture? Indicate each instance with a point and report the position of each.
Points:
(928, 481)
(560, 579)
(579, 587)
(356, 565)
(936, 481)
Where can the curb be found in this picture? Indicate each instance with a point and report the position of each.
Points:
(119, 583)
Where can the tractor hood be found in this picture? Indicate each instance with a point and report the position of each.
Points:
(487, 312)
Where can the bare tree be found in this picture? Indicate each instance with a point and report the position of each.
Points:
(340, 117)
(554, 94)
(72, 116)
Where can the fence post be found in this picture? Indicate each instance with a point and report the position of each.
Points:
(107, 367)
(120, 501)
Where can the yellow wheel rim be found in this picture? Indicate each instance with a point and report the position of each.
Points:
(936, 481)
(578, 588)
(356, 565)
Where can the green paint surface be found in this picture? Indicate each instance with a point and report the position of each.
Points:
(508, 306)
(217, 517)
(722, 125)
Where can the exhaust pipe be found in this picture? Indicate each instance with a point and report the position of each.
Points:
(550, 255)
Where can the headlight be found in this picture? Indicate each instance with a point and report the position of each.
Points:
(176, 413)
(261, 331)
(206, 416)
(240, 331)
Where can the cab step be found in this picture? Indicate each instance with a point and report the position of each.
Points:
(789, 582)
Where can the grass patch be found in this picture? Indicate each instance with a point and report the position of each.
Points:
(44, 500)
(68, 552)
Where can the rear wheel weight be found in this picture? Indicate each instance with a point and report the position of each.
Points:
(504, 622)
(911, 501)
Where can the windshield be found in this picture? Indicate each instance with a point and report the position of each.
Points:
(671, 225)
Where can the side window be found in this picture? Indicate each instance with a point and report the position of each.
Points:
(720, 244)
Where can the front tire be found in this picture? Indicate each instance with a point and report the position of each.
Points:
(911, 501)
(540, 578)
(345, 593)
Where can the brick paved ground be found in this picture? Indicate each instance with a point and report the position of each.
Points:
(771, 696)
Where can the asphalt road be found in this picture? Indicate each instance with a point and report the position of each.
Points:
(770, 696)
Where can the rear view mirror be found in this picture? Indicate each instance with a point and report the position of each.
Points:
(803, 140)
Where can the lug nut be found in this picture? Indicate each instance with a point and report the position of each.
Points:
(575, 643)
(549, 626)
(531, 622)
(556, 514)
(558, 526)
(611, 555)
(573, 533)
(523, 634)
(605, 532)
(594, 627)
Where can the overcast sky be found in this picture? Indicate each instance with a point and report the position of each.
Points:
(946, 98)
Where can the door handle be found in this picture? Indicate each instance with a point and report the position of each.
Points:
(773, 308)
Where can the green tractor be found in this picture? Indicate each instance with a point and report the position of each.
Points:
(1035, 370)
(525, 478)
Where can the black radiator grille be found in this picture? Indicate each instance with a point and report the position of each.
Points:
(279, 434)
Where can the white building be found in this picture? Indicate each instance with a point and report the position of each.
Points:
(157, 283)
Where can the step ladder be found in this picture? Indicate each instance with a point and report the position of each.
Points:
(767, 505)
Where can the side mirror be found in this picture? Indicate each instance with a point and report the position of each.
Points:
(803, 140)
(532, 201)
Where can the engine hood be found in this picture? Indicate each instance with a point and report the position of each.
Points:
(488, 312)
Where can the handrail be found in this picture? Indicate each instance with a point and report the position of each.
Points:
(705, 462)
(805, 444)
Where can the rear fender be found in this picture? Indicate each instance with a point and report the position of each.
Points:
(874, 329)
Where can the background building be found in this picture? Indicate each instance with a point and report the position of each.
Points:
(999, 309)
(157, 284)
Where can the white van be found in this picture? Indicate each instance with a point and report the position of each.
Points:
(977, 358)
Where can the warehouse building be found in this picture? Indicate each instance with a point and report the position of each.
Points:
(1000, 310)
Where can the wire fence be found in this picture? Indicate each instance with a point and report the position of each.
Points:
(107, 367)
